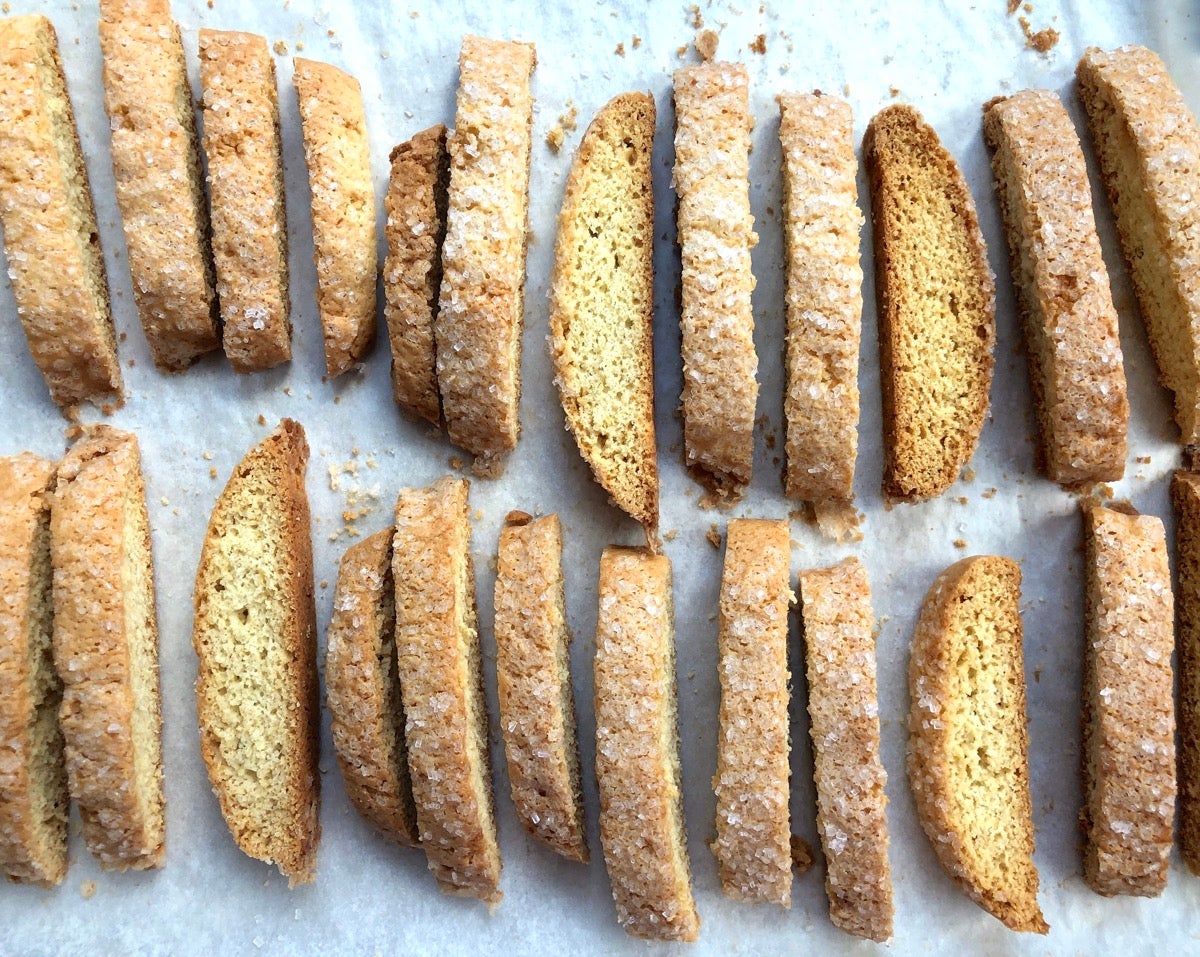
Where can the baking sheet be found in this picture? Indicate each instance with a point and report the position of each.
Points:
(946, 59)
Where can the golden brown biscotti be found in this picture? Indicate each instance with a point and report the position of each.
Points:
(106, 648)
(50, 234)
(1147, 142)
(244, 151)
(441, 681)
(255, 636)
(337, 154)
(533, 672)
(968, 745)
(843, 708)
(716, 233)
(937, 303)
(1128, 754)
(1185, 495)
(637, 748)
(33, 776)
(602, 305)
(363, 690)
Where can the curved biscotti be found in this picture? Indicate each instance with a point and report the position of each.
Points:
(255, 636)
(968, 760)
(602, 305)
(937, 305)
(1185, 494)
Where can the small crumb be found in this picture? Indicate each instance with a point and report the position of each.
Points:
(706, 44)
(262, 419)
(960, 543)
(131, 363)
(771, 439)
(1037, 675)
(164, 500)
(990, 493)
(212, 472)
(802, 855)
(477, 515)
(299, 45)
(636, 41)
(1143, 460)
(1104, 490)
(713, 536)
(324, 583)
(456, 462)
(620, 50)
(846, 89)
(695, 17)
(210, 5)
(894, 90)
(1013, 6)
(962, 500)
(87, 890)
(287, 390)
(207, 456)
(337, 400)
(516, 518)
(415, 14)
(759, 45)
(280, 47)
(968, 474)
(671, 535)
(1043, 41)
(681, 51)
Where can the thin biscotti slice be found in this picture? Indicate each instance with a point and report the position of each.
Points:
(602, 305)
(1128, 755)
(1147, 142)
(637, 748)
(363, 690)
(715, 235)
(255, 636)
(1071, 336)
(106, 648)
(753, 842)
(968, 745)
(937, 303)
(843, 708)
(533, 671)
(337, 154)
(441, 682)
(245, 183)
(821, 223)
(1185, 494)
(50, 234)
(33, 776)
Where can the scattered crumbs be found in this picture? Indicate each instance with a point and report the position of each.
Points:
(1104, 490)
(962, 500)
(164, 500)
(671, 535)
(838, 520)
(337, 400)
(695, 17)
(1143, 460)
(762, 422)
(567, 122)
(212, 472)
(636, 41)
(554, 139)
(960, 543)
(759, 45)
(87, 890)
(371, 463)
(620, 50)
(477, 515)
(324, 583)
(706, 44)
(329, 33)
(894, 90)
(1037, 675)
(713, 536)
(456, 462)
(1043, 41)
(1013, 6)
(287, 390)
(771, 440)
(207, 456)
(802, 856)
(280, 47)
(299, 45)
(131, 363)
(121, 337)
(845, 89)
(990, 493)
(262, 419)
(681, 51)
(415, 14)
(968, 474)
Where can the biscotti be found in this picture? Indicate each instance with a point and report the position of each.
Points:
(482, 300)
(1128, 754)
(33, 777)
(533, 672)
(968, 746)
(821, 223)
(637, 748)
(255, 637)
(602, 305)
(843, 709)
(937, 303)
(716, 233)
(337, 154)
(1148, 145)
(50, 234)
(1185, 495)
(106, 648)
(1071, 335)
(243, 148)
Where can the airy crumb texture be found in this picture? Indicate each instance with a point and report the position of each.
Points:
(1185, 493)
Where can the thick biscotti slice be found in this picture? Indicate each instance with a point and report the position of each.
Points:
(968, 747)
(255, 636)
(106, 648)
(1185, 494)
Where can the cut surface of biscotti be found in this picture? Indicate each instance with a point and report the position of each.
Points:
(50, 234)
(968, 746)
(363, 690)
(1147, 142)
(937, 303)
(1185, 494)
(637, 748)
(1071, 335)
(33, 776)
(843, 708)
(106, 648)
(602, 305)
(441, 682)
(1128, 759)
(533, 671)
(256, 639)
(482, 299)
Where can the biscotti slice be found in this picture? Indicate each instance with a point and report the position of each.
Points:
(602, 305)
(1128, 759)
(533, 671)
(843, 709)
(482, 300)
(363, 690)
(1147, 142)
(637, 748)
(441, 683)
(753, 842)
(937, 303)
(245, 183)
(821, 223)
(50, 234)
(255, 637)
(968, 746)
(1071, 336)
(106, 648)
(715, 235)
(343, 209)
(33, 777)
